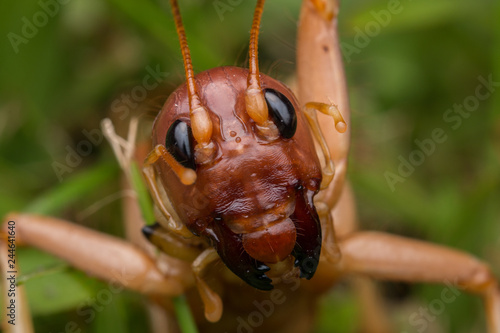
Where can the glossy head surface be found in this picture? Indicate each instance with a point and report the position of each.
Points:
(253, 198)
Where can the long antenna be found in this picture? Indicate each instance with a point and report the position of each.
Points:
(201, 125)
(254, 97)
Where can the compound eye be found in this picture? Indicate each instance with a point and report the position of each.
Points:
(282, 112)
(180, 142)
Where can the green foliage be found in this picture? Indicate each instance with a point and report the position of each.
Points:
(51, 291)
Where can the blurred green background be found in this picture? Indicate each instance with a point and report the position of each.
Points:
(61, 78)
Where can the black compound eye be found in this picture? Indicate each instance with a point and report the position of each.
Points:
(282, 112)
(179, 143)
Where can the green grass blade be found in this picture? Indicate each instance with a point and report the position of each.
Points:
(55, 199)
(142, 195)
(184, 316)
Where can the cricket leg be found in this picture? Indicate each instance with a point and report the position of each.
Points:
(161, 317)
(321, 79)
(125, 150)
(100, 255)
(339, 221)
(159, 194)
(211, 300)
(161, 314)
(373, 311)
(323, 206)
(390, 257)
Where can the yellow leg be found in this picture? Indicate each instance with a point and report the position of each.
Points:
(331, 110)
(211, 300)
(161, 201)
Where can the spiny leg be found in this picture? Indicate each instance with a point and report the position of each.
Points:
(103, 256)
(391, 257)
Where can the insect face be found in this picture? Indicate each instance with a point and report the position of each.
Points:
(254, 199)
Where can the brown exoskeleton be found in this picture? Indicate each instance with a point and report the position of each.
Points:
(235, 177)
